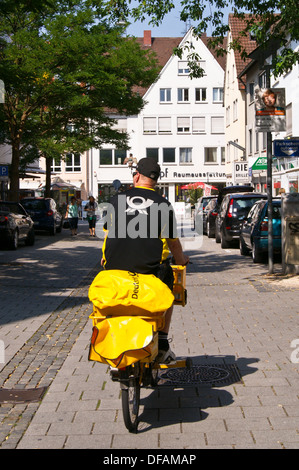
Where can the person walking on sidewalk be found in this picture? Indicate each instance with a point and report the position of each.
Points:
(91, 208)
(141, 229)
(72, 215)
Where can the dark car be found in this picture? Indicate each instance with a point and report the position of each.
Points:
(254, 231)
(44, 214)
(199, 215)
(15, 225)
(210, 218)
(233, 210)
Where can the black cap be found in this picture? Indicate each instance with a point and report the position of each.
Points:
(148, 167)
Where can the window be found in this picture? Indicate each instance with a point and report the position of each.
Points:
(235, 110)
(211, 155)
(222, 155)
(198, 124)
(217, 95)
(200, 95)
(183, 125)
(164, 124)
(153, 153)
(289, 126)
(257, 134)
(228, 116)
(185, 155)
(165, 95)
(73, 162)
(56, 166)
(251, 91)
(119, 156)
(149, 125)
(217, 125)
(112, 156)
(183, 68)
(183, 95)
(106, 157)
(263, 80)
(250, 140)
(169, 155)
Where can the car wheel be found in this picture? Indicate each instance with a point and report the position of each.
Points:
(14, 241)
(209, 233)
(217, 236)
(53, 230)
(243, 248)
(224, 242)
(257, 256)
(30, 238)
(58, 229)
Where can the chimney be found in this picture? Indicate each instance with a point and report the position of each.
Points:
(147, 38)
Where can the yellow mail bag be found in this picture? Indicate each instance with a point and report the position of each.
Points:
(117, 292)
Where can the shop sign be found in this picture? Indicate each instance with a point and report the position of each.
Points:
(241, 171)
(260, 164)
(286, 148)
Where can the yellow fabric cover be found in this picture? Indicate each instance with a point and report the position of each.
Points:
(121, 341)
(117, 292)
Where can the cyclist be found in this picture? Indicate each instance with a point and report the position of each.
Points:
(141, 229)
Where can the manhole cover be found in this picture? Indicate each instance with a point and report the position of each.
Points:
(212, 375)
(22, 395)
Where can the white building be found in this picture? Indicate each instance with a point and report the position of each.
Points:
(181, 125)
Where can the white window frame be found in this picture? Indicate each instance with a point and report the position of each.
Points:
(149, 125)
(164, 125)
(183, 95)
(198, 125)
(218, 95)
(202, 91)
(185, 155)
(56, 166)
(217, 124)
(73, 167)
(183, 67)
(165, 95)
(183, 125)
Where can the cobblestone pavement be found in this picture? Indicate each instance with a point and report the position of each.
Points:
(237, 318)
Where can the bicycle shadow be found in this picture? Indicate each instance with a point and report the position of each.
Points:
(171, 404)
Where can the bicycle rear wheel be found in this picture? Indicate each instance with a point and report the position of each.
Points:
(130, 397)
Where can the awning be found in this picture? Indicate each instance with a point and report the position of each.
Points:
(198, 185)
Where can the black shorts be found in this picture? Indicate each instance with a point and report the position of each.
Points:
(165, 274)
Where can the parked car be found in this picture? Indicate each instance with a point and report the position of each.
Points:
(233, 210)
(210, 218)
(199, 214)
(44, 214)
(15, 225)
(254, 231)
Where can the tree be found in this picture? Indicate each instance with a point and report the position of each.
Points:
(64, 64)
(271, 21)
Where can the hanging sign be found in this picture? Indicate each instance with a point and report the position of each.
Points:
(270, 110)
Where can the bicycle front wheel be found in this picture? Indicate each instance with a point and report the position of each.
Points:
(130, 397)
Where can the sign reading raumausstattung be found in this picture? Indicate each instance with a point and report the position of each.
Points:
(286, 148)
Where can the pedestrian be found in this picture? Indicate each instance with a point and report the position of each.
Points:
(91, 208)
(72, 215)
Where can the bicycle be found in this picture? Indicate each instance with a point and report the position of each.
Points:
(142, 369)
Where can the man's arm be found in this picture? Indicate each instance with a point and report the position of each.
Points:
(176, 249)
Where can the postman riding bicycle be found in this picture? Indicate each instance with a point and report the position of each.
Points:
(128, 312)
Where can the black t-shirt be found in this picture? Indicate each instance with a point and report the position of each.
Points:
(137, 222)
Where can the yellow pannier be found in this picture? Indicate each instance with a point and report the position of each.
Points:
(116, 292)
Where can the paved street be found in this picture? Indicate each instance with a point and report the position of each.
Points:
(237, 318)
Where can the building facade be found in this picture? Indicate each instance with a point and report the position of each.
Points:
(181, 125)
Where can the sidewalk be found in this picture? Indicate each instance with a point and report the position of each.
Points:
(238, 327)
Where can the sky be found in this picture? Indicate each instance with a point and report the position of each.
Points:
(171, 26)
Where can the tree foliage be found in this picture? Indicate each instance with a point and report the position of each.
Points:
(271, 21)
(64, 64)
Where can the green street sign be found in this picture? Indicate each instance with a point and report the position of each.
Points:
(260, 164)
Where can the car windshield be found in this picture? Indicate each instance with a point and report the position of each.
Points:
(34, 205)
(243, 205)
